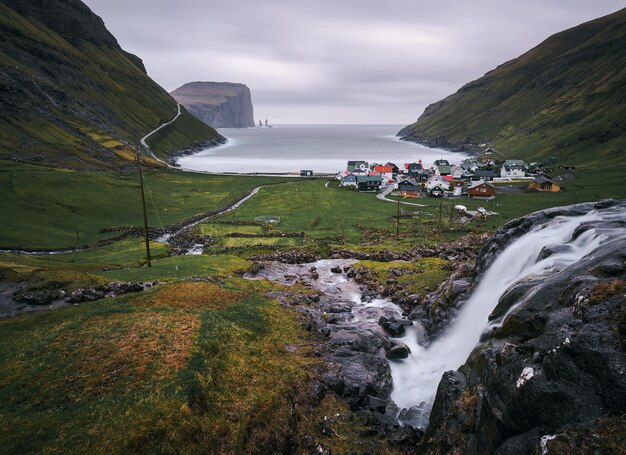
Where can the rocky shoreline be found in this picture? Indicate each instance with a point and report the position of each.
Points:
(172, 158)
(443, 144)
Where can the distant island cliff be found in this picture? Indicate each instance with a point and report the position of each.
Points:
(218, 104)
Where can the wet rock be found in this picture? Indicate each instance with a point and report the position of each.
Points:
(555, 365)
(398, 351)
(336, 269)
(287, 257)
(458, 287)
(395, 327)
(376, 404)
(134, 287)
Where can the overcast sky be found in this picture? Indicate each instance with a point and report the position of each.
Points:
(337, 61)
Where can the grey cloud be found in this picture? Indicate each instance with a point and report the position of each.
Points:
(341, 61)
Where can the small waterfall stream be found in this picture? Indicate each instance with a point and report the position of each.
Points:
(416, 378)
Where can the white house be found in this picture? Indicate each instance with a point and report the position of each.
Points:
(349, 180)
(513, 170)
(436, 181)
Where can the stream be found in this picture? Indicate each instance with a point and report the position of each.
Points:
(546, 249)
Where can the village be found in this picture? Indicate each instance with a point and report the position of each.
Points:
(474, 178)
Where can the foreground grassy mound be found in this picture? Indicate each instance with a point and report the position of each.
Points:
(54, 208)
(189, 367)
(167, 371)
(564, 98)
(72, 97)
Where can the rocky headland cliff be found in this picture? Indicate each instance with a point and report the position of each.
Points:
(218, 104)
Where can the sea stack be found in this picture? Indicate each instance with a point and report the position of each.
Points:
(218, 104)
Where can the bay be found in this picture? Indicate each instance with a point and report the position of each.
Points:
(321, 148)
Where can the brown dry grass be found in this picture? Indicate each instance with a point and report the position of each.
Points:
(193, 296)
(122, 349)
(603, 291)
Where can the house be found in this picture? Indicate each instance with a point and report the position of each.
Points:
(417, 171)
(513, 170)
(486, 175)
(482, 190)
(458, 171)
(515, 163)
(411, 191)
(442, 167)
(348, 180)
(394, 168)
(409, 188)
(385, 171)
(369, 182)
(542, 183)
(358, 166)
(436, 192)
(437, 182)
(306, 173)
(343, 174)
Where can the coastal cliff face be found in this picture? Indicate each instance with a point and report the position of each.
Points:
(218, 104)
(550, 378)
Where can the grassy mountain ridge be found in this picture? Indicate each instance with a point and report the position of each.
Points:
(566, 97)
(71, 97)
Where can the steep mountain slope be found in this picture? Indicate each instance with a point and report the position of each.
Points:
(70, 96)
(565, 98)
(219, 104)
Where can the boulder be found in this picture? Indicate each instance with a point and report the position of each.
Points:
(398, 351)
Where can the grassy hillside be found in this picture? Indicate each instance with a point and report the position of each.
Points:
(70, 96)
(565, 98)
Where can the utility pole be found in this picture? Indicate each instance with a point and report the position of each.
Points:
(440, 210)
(143, 202)
(398, 219)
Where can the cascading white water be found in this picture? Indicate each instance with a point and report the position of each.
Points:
(417, 377)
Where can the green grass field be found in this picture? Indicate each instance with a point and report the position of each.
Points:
(54, 208)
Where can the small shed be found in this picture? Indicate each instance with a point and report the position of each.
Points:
(541, 183)
(483, 190)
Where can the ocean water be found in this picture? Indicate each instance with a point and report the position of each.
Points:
(321, 148)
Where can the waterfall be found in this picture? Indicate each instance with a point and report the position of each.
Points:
(417, 377)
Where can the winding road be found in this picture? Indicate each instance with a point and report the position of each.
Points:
(143, 139)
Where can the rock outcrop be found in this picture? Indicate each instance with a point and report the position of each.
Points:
(218, 104)
(551, 378)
